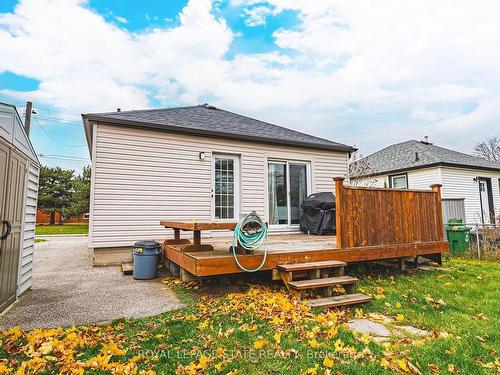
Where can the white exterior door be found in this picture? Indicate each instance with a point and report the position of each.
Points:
(225, 187)
(485, 203)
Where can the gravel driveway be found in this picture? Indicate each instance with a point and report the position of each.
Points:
(67, 290)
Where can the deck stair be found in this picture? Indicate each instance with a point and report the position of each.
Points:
(323, 278)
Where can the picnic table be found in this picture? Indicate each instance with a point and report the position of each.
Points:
(196, 227)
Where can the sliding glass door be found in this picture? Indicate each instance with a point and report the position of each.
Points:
(287, 188)
(278, 200)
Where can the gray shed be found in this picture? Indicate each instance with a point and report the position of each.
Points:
(19, 172)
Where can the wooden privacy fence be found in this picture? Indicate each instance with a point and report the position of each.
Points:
(378, 217)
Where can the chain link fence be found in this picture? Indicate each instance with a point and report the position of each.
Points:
(483, 241)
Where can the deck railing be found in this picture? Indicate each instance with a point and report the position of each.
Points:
(377, 217)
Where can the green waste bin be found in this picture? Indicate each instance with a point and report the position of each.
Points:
(458, 236)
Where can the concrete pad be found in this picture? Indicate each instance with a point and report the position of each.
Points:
(67, 290)
(366, 326)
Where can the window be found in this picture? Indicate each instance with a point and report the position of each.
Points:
(399, 181)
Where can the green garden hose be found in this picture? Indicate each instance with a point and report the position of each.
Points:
(250, 233)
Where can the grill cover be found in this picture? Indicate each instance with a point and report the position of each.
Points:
(319, 214)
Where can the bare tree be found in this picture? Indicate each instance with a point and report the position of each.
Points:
(488, 149)
(359, 166)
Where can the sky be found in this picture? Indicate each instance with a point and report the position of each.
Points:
(364, 73)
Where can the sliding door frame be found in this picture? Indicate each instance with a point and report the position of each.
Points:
(287, 164)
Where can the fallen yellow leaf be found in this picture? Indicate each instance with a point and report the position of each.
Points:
(328, 362)
(259, 344)
(277, 337)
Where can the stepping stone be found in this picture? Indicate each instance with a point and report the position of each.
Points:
(425, 267)
(413, 331)
(369, 327)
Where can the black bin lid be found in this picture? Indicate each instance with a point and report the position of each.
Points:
(147, 244)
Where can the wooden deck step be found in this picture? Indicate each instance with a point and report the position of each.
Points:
(322, 282)
(337, 301)
(311, 265)
(127, 268)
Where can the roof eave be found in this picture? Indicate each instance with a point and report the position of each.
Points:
(177, 129)
(88, 130)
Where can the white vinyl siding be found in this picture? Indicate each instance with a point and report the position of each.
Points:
(25, 273)
(424, 178)
(12, 130)
(459, 183)
(142, 176)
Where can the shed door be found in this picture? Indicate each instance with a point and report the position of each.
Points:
(12, 191)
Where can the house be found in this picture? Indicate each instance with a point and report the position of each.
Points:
(19, 171)
(43, 218)
(470, 185)
(198, 162)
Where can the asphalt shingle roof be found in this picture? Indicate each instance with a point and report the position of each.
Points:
(403, 156)
(208, 120)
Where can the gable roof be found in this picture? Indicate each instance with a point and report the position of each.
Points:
(211, 121)
(417, 154)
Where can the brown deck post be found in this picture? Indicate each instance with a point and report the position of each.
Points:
(177, 234)
(197, 237)
(339, 198)
(436, 188)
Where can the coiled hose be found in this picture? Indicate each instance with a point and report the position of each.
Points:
(250, 238)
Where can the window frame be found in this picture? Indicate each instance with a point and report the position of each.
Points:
(392, 176)
(287, 163)
(236, 182)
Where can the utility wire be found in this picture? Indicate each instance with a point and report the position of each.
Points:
(51, 118)
(55, 140)
(64, 157)
(53, 164)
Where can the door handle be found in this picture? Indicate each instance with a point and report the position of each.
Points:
(9, 229)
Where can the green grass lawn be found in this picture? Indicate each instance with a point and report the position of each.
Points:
(42, 230)
(260, 330)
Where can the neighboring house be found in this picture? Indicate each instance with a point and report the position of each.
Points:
(470, 189)
(19, 171)
(198, 162)
(43, 218)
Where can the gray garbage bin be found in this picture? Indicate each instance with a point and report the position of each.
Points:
(146, 255)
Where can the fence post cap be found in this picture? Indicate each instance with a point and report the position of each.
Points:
(436, 185)
(338, 178)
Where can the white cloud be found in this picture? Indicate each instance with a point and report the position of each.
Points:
(86, 64)
(256, 16)
(121, 19)
(404, 69)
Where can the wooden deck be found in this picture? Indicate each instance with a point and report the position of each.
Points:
(290, 248)
(372, 224)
